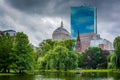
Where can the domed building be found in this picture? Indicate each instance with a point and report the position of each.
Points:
(10, 32)
(60, 33)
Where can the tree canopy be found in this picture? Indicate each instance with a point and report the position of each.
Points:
(59, 56)
(93, 58)
(6, 43)
(114, 58)
(15, 53)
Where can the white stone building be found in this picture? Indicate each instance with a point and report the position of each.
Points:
(60, 34)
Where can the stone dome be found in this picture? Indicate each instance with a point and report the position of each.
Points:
(61, 33)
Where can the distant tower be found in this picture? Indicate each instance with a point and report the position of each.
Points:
(61, 23)
(95, 20)
(78, 44)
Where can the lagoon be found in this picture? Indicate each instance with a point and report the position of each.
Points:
(64, 76)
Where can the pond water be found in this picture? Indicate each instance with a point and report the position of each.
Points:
(64, 76)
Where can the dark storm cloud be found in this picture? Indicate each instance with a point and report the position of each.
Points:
(26, 5)
(53, 8)
(31, 16)
(30, 5)
(58, 6)
(44, 7)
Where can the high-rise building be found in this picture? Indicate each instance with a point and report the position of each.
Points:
(83, 18)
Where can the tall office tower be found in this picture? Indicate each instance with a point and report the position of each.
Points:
(84, 20)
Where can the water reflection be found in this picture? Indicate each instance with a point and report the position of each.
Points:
(64, 76)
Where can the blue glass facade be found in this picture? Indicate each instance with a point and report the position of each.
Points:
(82, 20)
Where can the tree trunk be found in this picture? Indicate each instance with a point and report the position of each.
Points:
(20, 71)
(8, 70)
(4, 71)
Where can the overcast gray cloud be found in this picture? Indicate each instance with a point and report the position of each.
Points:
(39, 18)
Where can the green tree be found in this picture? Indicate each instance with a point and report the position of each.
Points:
(117, 51)
(45, 46)
(60, 58)
(72, 61)
(6, 43)
(94, 58)
(103, 59)
(49, 44)
(80, 60)
(114, 58)
(57, 55)
(22, 54)
(69, 44)
(112, 61)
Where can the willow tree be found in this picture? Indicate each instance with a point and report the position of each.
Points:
(60, 58)
(69, 44)
(45, 46)
(114, 59)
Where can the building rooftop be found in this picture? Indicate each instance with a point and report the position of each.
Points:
(61, 30)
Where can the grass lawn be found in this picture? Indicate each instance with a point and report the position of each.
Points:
(83, 70)
(97, 70)
(69, 71)
(2, 74)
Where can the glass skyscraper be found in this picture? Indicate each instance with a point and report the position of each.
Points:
(84, 20)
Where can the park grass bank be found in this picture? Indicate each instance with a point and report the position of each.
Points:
(7, 74)
(68, 71)
(97, 70)
(82, 71)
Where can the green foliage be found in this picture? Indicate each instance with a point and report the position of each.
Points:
(35, 60)
(22, 53)
(6, 42)
(114, 58)
(72, 62)
(117, 46)
(93, 58)
(80, 60)
(49, 44)
(112, 61)
(45, 46)
(60, 56)
(69, 44)
(16, 53)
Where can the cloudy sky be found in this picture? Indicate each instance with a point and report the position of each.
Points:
(39, 18)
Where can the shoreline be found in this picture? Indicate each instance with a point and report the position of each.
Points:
(62, 71)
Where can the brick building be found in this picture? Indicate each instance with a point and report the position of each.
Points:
(92, 40)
